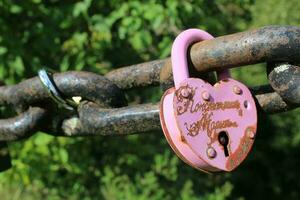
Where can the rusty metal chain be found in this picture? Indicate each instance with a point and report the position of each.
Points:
(104, 111)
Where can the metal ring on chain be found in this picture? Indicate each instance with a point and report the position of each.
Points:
(51, 88)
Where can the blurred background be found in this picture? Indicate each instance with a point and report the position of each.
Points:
(103, 35)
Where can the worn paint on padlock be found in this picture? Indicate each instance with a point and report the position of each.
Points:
(195, 114)
(201, 120)
(174, 137)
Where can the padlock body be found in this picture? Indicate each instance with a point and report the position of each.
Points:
(207, 115)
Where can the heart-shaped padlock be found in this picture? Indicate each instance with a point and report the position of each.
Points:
(211, 128)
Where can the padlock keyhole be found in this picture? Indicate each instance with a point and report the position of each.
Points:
(224, 141)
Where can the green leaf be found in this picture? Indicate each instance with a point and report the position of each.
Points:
(3, 50)
(64, 156)
(43, 139)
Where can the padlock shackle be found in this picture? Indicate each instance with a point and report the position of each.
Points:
(179, 54)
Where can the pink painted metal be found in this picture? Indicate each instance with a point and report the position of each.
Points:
(173, 135)
(179, 53)
(207, 126)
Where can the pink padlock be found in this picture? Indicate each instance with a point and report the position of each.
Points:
(211, 128)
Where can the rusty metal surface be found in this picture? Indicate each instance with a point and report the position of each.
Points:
(102, 110)
(266, 44)
(268, 101)
(157, 72)
(93, 120)
(88, 85)
(139, 75)
(144, 118)
(285, 80)
(23, 125)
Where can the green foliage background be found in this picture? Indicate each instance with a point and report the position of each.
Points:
(101, 35)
